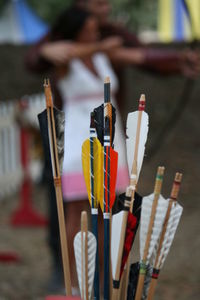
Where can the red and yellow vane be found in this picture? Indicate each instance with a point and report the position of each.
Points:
(110, 156)
(110, 163)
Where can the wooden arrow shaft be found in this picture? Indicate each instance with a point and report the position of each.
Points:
(157, 190)
(173, 197)
(57, 184)
(152, 288)
(63, 239)
(84, 255)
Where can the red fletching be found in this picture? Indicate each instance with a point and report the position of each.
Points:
(113, 156)
(129, 238)
(113, 175)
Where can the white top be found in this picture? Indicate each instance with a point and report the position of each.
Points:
(82, 91)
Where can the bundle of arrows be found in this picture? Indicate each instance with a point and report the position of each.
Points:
(122, 214)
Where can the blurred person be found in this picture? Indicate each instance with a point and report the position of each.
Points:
(85, 67)
(66, 54)
(166, 61)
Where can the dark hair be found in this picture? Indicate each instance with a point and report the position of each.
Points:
(69, 23)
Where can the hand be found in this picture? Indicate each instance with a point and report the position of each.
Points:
(190, 63)
(59, 53)
(110, 43)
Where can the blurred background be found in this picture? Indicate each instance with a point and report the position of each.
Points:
(172, 104)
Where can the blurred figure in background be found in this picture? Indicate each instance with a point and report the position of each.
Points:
(85, 67)
(71, 53)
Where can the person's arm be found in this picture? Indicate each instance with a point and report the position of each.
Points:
(128, 56)
(160, 60)
(34, 60)
(164, 61)
(49, 54)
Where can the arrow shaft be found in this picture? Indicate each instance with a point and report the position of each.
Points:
(173, 197)
(157, 190)
(152, 288)
(106, 221)
(92, 171)
(96, 275)
(84, 255)
(106, 255)
(94, 210)
(57, 184)
(63, 239)
(137, 140)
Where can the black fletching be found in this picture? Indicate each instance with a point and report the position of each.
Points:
(119, 205)
(99, 122)
(133, 280)
(59, 118)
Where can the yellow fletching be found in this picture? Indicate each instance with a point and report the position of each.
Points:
(97, 169)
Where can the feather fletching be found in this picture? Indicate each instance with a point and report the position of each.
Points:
(117, 231)
(112, 160)
(92, 247)
(158, 222)
(97, 169)
(175, 215)
(131, 129)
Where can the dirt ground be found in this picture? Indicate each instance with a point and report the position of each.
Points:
(178, 151)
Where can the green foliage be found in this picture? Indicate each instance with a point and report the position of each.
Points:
(49, 9)
(2, 2)
(137, 14)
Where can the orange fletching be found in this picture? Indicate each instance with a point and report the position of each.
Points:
(109, 180)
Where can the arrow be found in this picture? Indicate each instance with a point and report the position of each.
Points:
(104, 117)
(137, 130)
(85, 246)
(52, 126)
(171, 222)
(153, 212)
(109, 181)
(124, 226)
(92, 170)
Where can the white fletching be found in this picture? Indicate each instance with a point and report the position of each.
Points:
(131, 129)
(116, 240)
(92, 248)
(161, 209)
(174, 218)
